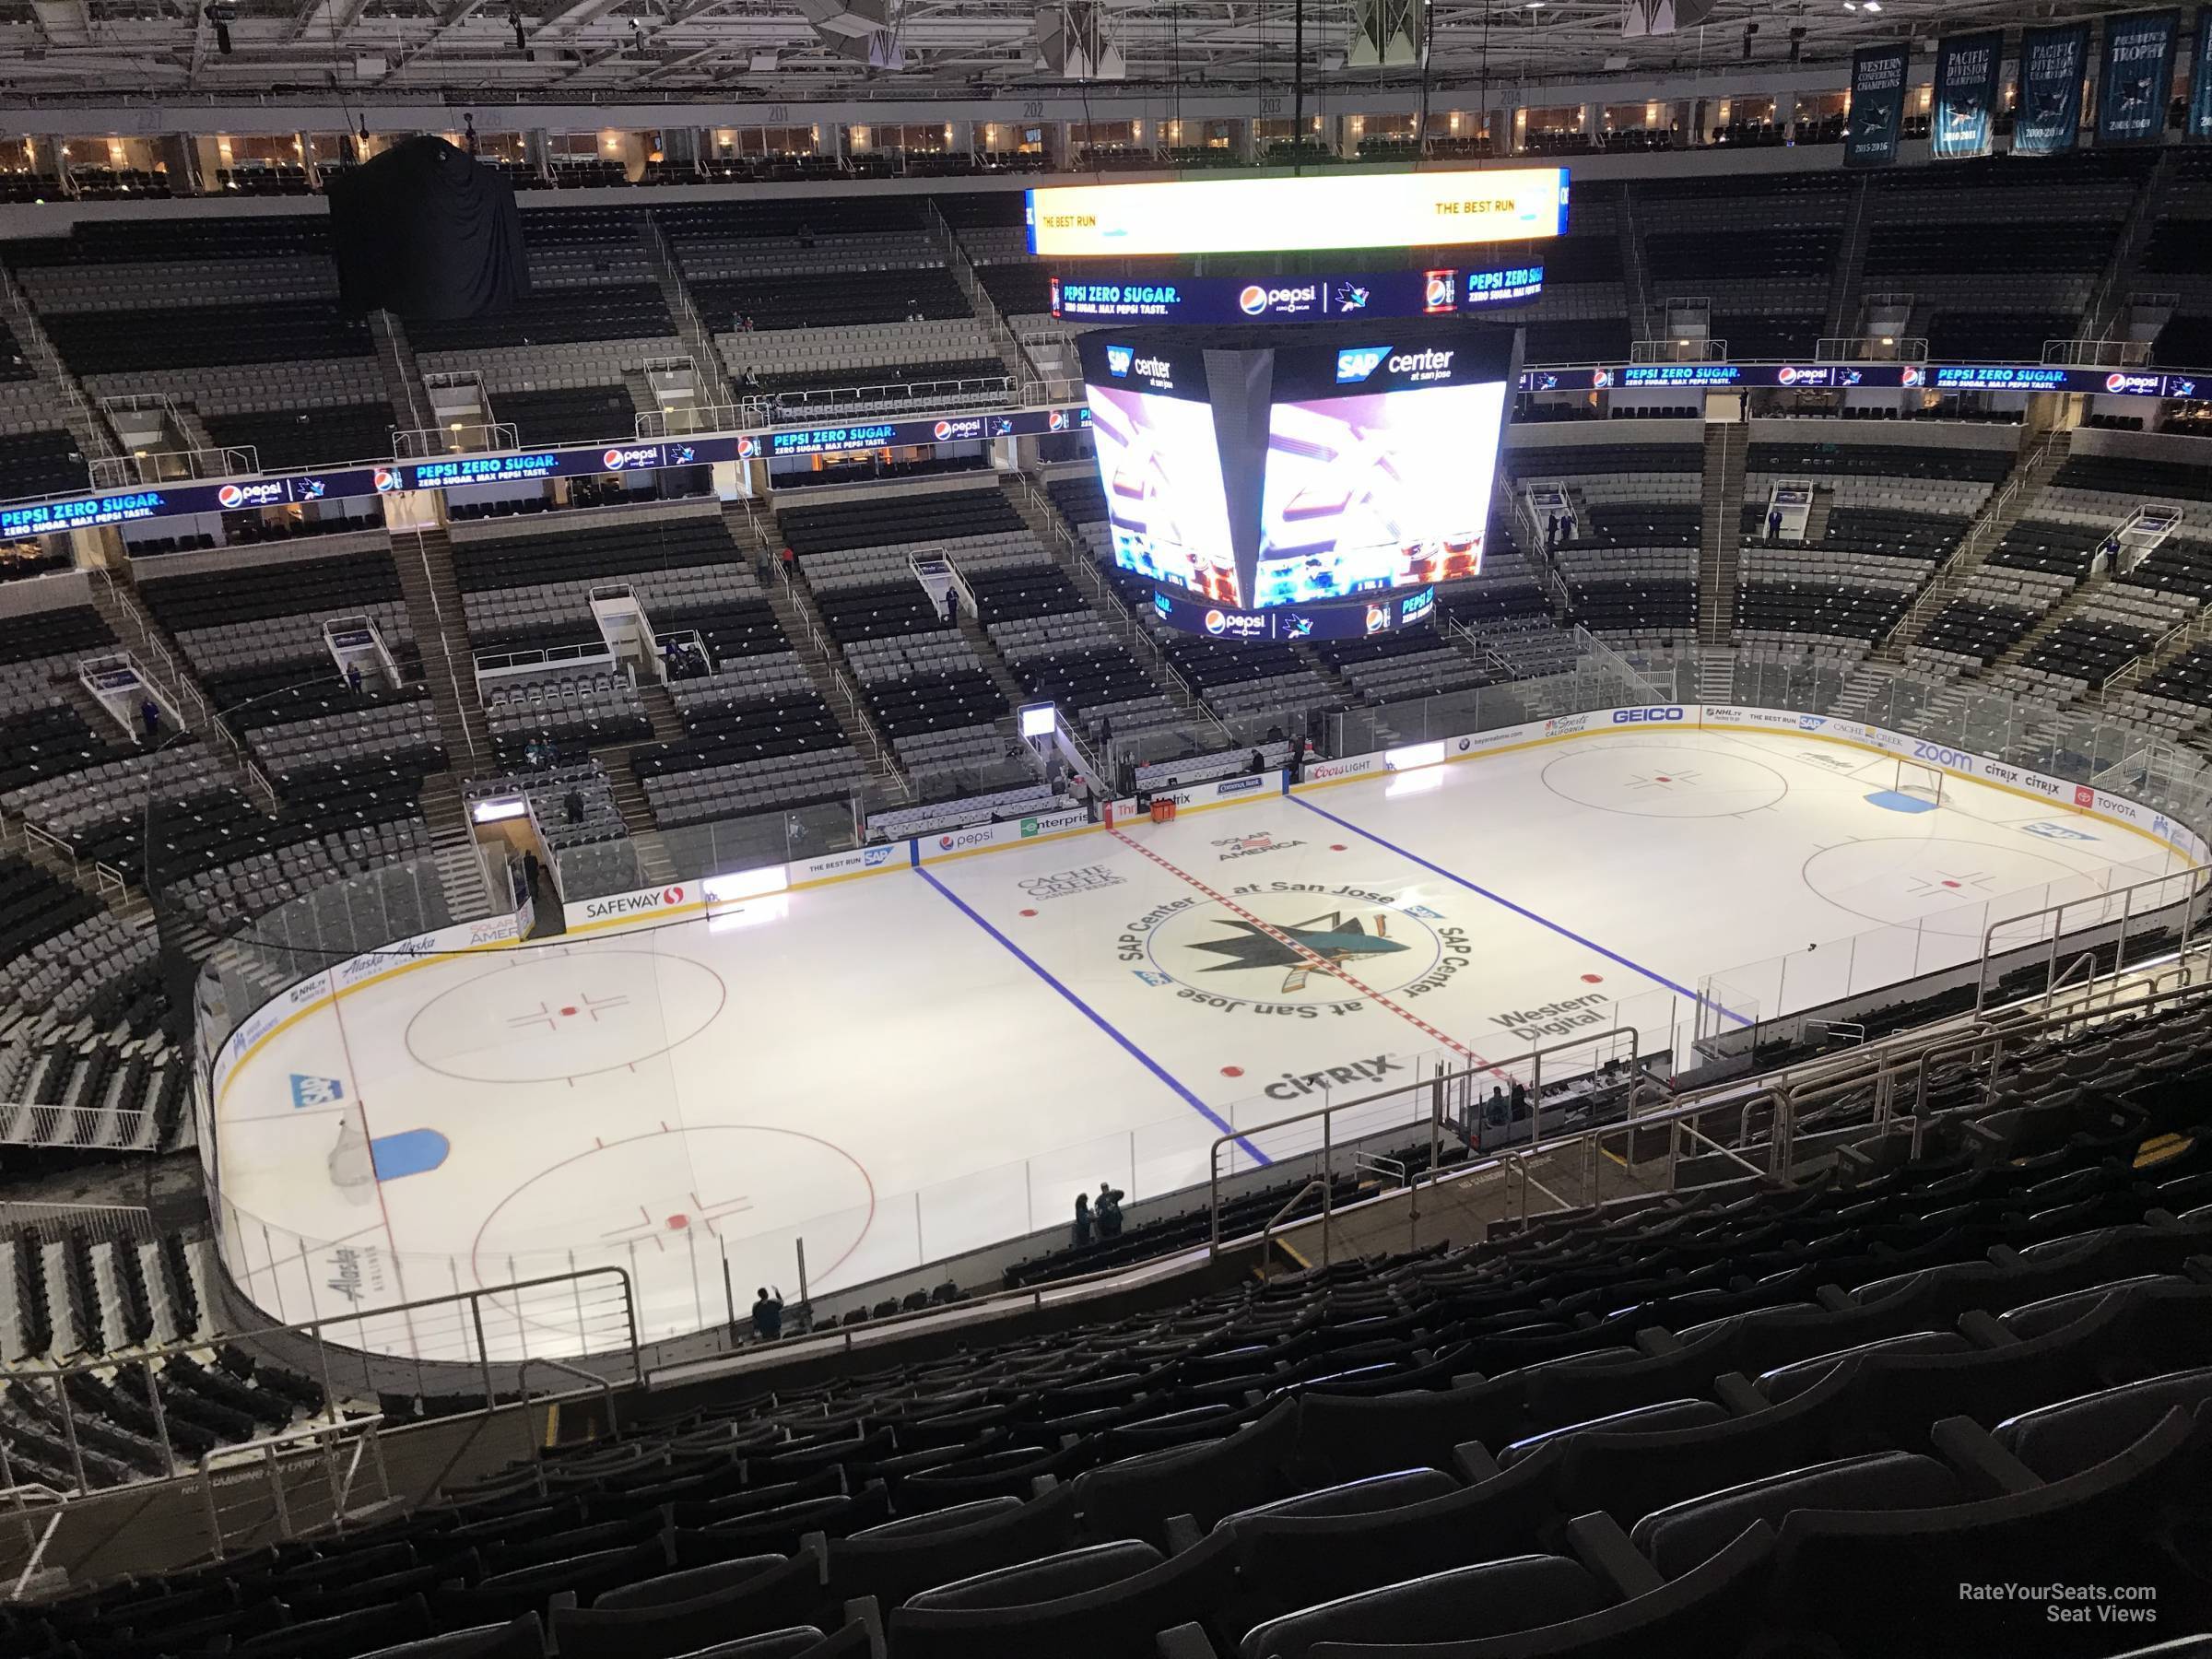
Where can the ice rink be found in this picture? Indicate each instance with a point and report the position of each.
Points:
(936, 1057)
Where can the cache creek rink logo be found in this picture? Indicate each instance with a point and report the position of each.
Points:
(1291, 949)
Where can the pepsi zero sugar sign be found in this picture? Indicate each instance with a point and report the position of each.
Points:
(1374, 295)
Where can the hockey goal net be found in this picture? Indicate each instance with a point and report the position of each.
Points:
(1919, 782)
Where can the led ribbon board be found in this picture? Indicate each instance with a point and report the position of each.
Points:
(1252, 215)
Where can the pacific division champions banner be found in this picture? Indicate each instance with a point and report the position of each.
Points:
(2138, 73)
(1966, 95)
(1878, 106)
(2200, 77)
(2053, 63)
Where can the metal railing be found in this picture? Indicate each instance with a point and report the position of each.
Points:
(165, 466)
(1871, 348)
(1344, 1125)
(460, 437)
(2096, 354)
(1702, 350)
(1967, 556)
(470, 1339)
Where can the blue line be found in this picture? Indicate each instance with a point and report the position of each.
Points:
(1565, 933)
(1091, 1013)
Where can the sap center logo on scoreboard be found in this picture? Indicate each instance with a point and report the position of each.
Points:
(1118, 359)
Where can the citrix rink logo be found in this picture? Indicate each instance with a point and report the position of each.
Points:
(1644, 716)
(615, 460)
(1118, 359)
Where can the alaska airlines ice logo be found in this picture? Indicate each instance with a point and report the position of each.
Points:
(1355, 363)
(1118, 359)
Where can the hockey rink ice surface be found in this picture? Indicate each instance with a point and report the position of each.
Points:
(926, 1060)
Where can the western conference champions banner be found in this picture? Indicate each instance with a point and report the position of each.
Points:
(1878, 106)
(2053, 63)
(2138, 72)
(2200, 78)
(1966, 95)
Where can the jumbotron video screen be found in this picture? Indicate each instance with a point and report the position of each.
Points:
(1294, 483)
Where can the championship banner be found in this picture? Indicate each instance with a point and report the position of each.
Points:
(1878, 106)
(2137, 75)
(2200, 78)
(2053, 64)
(1966, 95)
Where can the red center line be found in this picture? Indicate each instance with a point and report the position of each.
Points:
(1314, 957)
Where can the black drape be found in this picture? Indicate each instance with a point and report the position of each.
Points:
(425, 231)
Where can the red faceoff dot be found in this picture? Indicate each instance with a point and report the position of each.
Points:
(1232, 1071)
(678, 1223)
(1335, 846)
(568, 1011)
(1666, 779)
(1594, 978)
(1029, 913)
(1950, 884)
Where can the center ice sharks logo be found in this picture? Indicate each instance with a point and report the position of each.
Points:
(1321, 946)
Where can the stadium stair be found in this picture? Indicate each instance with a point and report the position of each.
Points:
(1728, 443)
(1067, 548)
(802, 625)
(1851, 264)
(710, 374)
(655, 866)
(399, 374)
(1634, 288)
(2005, 505)
(65, 397)
(425, 564)
(2108, 301)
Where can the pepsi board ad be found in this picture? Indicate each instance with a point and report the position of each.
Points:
(1966, 95)
(2053, 63)
(2138, 71)
(1218, 299)
(1359, 620)
(1878, 106)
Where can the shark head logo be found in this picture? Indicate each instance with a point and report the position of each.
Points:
(1299, 948)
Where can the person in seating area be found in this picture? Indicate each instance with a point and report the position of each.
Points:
(768, 1314)
(1109, 1210)
(1080, 1236)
